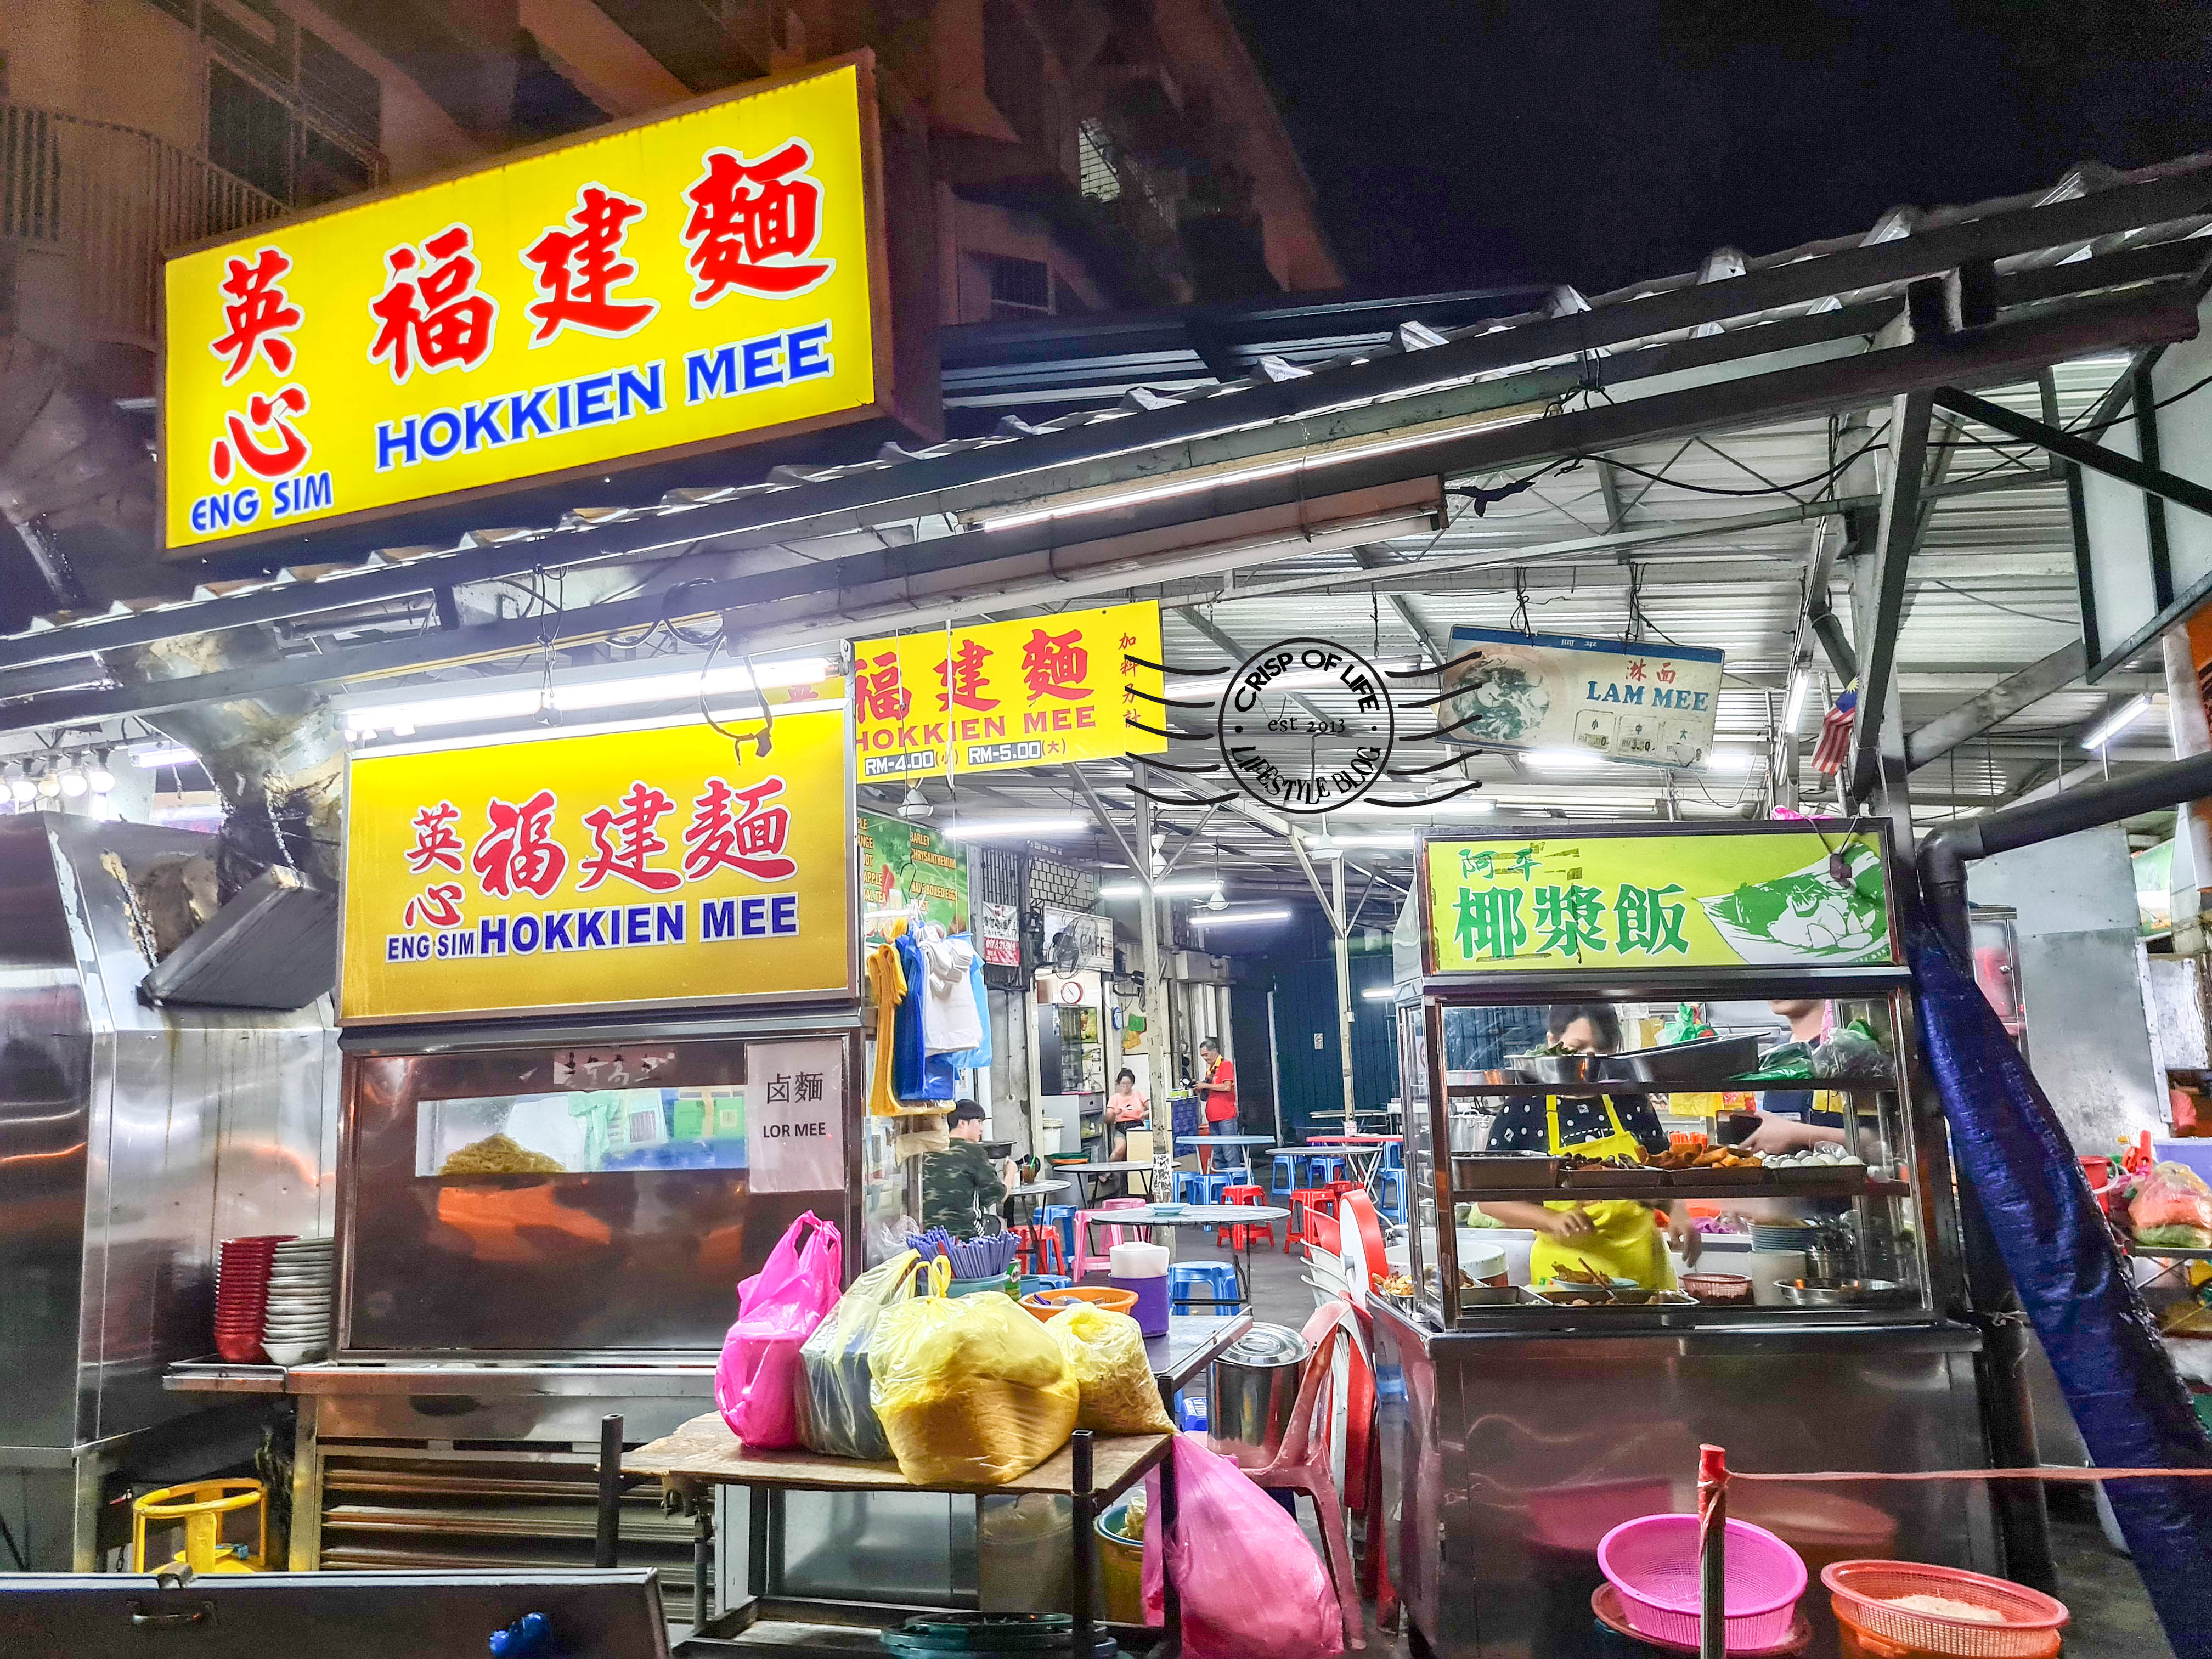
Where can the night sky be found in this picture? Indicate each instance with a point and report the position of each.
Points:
(1596, 142)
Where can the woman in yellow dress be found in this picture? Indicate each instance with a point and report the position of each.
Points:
(1620, 1238)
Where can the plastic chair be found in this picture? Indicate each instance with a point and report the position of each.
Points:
(1324, 1167)
(1085, 1260)
(1193, 1187)
(1040, 1249)
(1284, 1176)
(1303, 1202)
(1200, 1281)
(1061, 1216)
(1301, 1464)
(1392, 1182)
(1240, 1235)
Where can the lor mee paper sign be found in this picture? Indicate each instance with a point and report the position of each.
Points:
(1742, 895)
(1039, 692)
(664, 287)
(615, 869)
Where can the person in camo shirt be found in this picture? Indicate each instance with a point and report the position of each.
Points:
(958, 1185)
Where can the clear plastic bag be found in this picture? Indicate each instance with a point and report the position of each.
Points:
(2172, 1206)
(760, 1377)
(835, 1415)
(1251, 1586)
(969, 1389)
(1116, 1392)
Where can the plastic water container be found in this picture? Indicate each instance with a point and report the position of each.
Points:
(1141, 1269)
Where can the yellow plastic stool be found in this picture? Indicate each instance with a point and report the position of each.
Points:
(201, 1506)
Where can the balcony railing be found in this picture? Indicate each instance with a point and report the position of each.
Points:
(87, 209)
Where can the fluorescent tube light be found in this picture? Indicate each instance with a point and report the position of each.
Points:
(1011, 829)
(1401, 841)
(1795, 705)
(1193, 888)
(2126, 715)
(147, 759)
(1379, 993)
(1731, 760)
(576, 696)
(1223, 918)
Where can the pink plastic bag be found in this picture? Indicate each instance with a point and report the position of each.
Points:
(757, 1382)
(1252, 1587)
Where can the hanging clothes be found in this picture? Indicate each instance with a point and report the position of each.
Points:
(888, 985)
(948, 1005)
(978, 1057)
(912, 1075)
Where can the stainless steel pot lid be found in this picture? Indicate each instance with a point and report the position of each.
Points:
(1269, 1345)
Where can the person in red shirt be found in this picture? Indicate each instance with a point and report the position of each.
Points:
(1219, 1089)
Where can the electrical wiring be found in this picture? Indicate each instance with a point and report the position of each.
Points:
(1875, 442)
(1994, 605)
(2122, 420)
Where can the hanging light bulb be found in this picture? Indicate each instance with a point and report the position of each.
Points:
(73, 784)
(99, 777)
(20, 789)
(49, 786)
(1219, 898)
(915, 807)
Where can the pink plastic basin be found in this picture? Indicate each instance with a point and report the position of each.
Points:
(1653, 1562)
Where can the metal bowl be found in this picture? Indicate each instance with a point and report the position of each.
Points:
(1708, 1060)
(1556, 1068)
(1846, 1293)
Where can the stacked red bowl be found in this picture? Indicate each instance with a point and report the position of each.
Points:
(241, 1295)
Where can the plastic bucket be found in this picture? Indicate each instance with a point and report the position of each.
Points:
(1121, 1568)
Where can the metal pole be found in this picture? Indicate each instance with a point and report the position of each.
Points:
(1712, 1553)
(2192, 827)
(1159, 1044)
(608, 1542)
(1343, 986)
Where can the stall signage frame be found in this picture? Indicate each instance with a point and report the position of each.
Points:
(712, 275)
(1652, 705)
(609, 870)
(993, 697)
(916, 862)
(1654, 901)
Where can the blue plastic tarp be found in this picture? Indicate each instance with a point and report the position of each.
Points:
(2133, 1411)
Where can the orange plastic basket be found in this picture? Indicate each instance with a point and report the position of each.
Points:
(1863, 1594)
(1045, 1304)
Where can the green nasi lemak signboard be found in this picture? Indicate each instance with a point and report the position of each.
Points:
(1730, 899)
(900, 862)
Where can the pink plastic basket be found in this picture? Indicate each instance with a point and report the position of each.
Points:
(1653, 1562)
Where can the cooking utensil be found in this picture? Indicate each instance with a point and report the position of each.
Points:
(1706, 1060)
(1556, 1068)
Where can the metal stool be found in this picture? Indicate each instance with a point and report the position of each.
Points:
(1216, 1280)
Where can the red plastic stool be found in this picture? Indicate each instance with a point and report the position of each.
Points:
(1240, 1234)
(1040, 1250)
(1338, 1188)
(1305, 1200)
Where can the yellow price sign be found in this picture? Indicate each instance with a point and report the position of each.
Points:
(660, 287)
(1782, 897)
(1041, 691)
(612, 870)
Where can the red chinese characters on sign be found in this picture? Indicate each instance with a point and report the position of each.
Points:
(278, 459)
(1636, 669)
(436, 842)
(580, 265)
(1054, 665)
(965, 680)
(435, 319)
(754, 224)
(748, 840)
(259, 315)
(438, 907)
(623, 842)
(877, 691)
(519, 850)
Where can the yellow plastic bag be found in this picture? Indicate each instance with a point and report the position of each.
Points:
(1105, 1353)
(969, 1389)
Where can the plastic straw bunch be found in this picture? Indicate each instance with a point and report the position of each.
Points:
(988, 1257)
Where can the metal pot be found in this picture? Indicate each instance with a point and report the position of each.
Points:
(1470, 1130)
(1252, 1391)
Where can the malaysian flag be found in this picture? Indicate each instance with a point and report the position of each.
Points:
(1835, 742)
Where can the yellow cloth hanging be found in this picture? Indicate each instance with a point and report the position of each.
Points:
(887, 984)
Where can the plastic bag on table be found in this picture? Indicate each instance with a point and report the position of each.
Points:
(835, 1415)
(969, 1389)
(1850, 1051)
(760, 1377)
(1251, 1586)
(1687, 1026)
(2172, 1206)
(1117, 1391)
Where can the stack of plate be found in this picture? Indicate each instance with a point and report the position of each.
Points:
(242, 1294)
(299, 1325)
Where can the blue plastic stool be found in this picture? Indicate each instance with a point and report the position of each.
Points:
(1327, 1167)
(1391, 1182)
(1394, 1154)
(1032, 1282)
(1061, 1216)
(1192, 1187)
(1191, 1411)
(1217, 1279)
(1286, 1175)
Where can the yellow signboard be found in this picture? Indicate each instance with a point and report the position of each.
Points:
(1038, 692)
(1763, 897)
(669, 285)
(613, 870)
